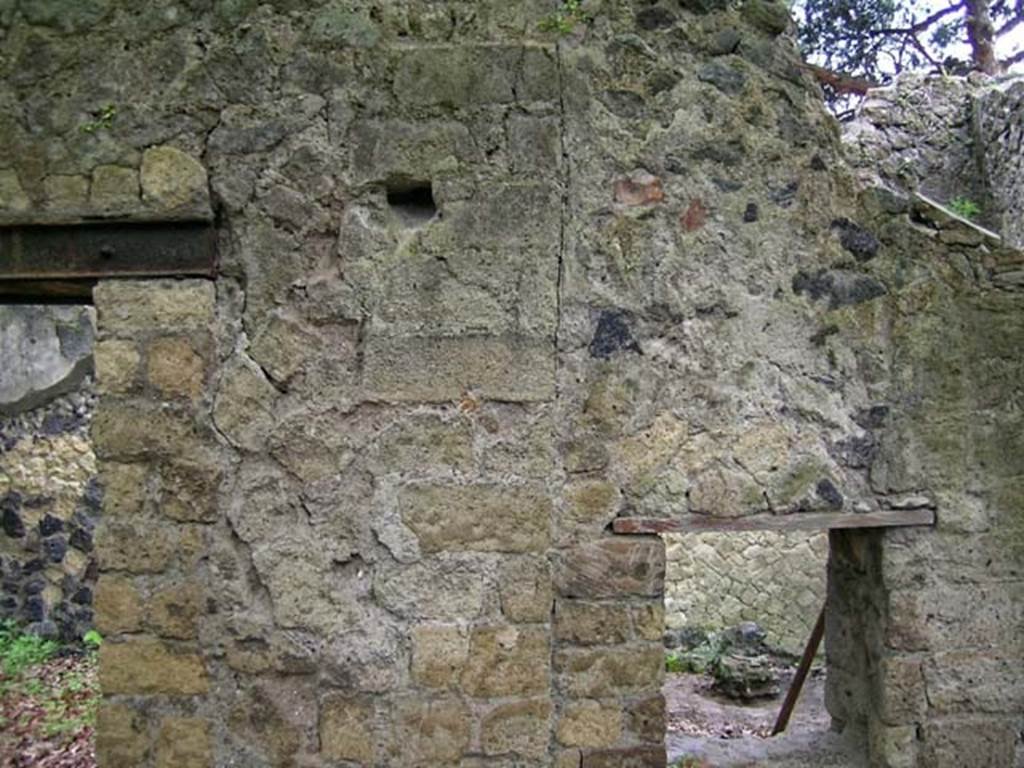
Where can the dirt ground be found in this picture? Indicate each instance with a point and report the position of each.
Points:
(706, 730)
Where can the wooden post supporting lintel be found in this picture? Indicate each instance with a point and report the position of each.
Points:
(810, 651)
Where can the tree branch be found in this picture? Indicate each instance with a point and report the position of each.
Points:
(1010, 25)
(840, 82)
(1017, 58)
(922, 25)
(924, 51)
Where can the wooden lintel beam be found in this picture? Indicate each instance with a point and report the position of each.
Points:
(46, 291)
(47, 254)
(797, 521)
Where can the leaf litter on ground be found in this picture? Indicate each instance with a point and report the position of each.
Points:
(48, 713)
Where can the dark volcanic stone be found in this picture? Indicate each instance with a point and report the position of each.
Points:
(723, 77)
(612, 335)
(857, 452)
(55, 548)
(730, 153)
(841, 287)
(655, 18)
(50, 525)
(829, 493)
(686, 638)
(873, 417)
(724, 42)
(60, 423)
(746, 636)
(34, 608)
(855, 239)
(11, 522)
(785, 195)
(704, 6)
(81, 539)
(93, 497)
(751, 213)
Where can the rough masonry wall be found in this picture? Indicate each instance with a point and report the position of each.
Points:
(481, 290)
(920, 134)
(49, 495)
(947, 138)
(718, 580)
(1000, 130)
(920, 648)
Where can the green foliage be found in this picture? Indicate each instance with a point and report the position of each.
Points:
(688, 761)
(703, 658)
(565, 19)
(102, 118)
(964, 206)
(18, 651)
(875, 39)
(70, 706)
(92, 639)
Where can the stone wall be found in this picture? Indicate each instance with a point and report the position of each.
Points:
(1000, 130)
(717, 580)
(947, 138)
(918, 134)
(918, 650)
(49, 497)
(482, 289)
(917, 642)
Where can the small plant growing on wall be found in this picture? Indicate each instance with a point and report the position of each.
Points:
(965, 207)
(565, 19)
(102, 118)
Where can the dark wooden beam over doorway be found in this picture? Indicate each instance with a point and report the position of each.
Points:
(797, 521)
(63, 262)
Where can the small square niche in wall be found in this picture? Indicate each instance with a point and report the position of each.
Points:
(412, 202)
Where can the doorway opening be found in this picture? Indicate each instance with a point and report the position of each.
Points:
(740, 608)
